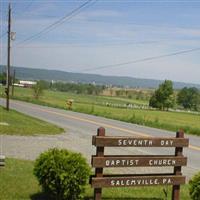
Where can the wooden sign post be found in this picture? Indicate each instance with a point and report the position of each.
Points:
(177, 169)
(99, 170)
(100, 161)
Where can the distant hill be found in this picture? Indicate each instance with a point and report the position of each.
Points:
(56, 75)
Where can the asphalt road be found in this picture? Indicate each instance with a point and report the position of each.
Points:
(78, 137)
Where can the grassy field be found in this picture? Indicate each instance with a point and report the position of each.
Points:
(15, 123)
(61, 97)
(96, 105)
(19, 183)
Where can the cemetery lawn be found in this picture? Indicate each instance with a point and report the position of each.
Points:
(18, 182)
(15, 123)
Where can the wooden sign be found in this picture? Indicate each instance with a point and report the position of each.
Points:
(100, 161)
(110, 141)
(131, 181)
(135, 161)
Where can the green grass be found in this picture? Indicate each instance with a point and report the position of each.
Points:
(20, 124)
(96, 105)
(19, 183)
(17, 180)
(61, 97)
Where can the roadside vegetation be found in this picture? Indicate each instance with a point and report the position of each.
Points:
(15, 123)
(18, 182)
(62, 174)
(164, 97)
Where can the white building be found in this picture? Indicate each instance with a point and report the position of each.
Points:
(27, 83)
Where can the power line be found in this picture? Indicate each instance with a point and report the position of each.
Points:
(58, 22)
(102, 44)
(141, 60)
(24, 9)
(18, 13)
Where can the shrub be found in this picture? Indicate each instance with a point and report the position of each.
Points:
(38, 89)
(62, 174)
(195, 187)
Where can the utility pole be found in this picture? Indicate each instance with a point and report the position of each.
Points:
(8, 59)
(13, 82)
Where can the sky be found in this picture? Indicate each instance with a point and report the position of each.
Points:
(109, 37)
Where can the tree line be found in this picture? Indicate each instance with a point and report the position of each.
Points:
(3, 78)
(164, 97)
(77, 88)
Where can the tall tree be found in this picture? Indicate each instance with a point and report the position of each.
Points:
(189, 98)
(163, 97)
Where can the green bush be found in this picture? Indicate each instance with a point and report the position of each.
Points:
(62, 174)
(195, 187)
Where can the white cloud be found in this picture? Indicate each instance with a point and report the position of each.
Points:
(61, 49)
(179, 68)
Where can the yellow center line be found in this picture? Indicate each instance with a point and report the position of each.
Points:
(105, 125)
(194, 147)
